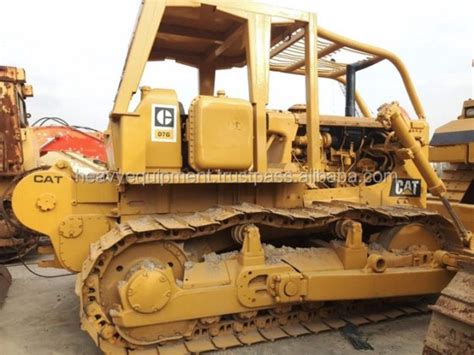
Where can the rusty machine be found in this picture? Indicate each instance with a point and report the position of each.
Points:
(452, 152)
(229, 223)
(18, 154)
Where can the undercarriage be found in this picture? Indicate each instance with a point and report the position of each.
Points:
(156, 281)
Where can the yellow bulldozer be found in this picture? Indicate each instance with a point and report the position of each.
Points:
(452, 152)
(230, 223)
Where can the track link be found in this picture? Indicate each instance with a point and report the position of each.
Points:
(451, 330)
(264, 325)
(269, 327)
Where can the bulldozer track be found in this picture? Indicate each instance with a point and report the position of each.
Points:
(451, 329)
(268, 327)
(262, 325)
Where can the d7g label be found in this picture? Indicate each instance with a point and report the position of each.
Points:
(163, 123)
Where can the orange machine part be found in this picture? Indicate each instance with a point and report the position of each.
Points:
(64, 138)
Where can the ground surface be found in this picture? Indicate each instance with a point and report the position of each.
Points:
(41, 316)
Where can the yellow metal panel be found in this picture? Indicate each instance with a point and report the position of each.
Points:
(73, 248)
(451, 153)
(220, 134)
(132, 144)
(460, 125)
(96, 192)
(359, 284)
(136, 149)
(162, 145)
(29, 196)
(206, 275)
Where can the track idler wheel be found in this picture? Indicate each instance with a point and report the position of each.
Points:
(405, 236)
(148, 290)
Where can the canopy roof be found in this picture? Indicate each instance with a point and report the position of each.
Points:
(333, 56)
(204, 34)
(197, 35)
(215, 34)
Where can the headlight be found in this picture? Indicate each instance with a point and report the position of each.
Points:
(470, 112)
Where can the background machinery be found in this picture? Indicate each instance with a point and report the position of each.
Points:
(231, 223)
(452, 152)
(54, 134)
(24, 149)
(18, 154)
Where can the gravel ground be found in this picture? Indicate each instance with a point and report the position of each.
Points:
(41, 316)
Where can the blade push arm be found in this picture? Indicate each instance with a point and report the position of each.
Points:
(391, 116)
